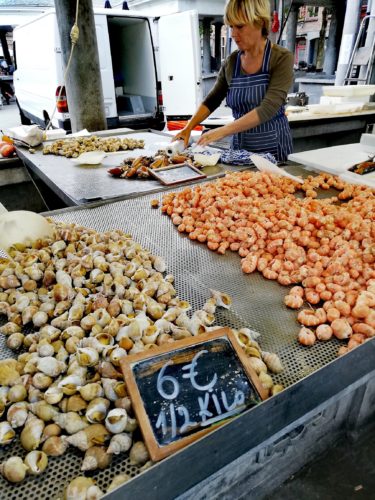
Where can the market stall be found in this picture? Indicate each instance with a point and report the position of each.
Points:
(319, 387)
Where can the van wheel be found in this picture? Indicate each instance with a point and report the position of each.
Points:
(23, 118)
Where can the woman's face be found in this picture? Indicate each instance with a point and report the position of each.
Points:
(246, 35)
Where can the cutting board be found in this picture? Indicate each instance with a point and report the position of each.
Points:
(338, 159)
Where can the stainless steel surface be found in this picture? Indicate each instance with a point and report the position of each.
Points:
(80, 184)
(257, 304)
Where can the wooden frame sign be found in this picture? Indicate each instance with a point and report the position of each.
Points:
(175, 174)
(188, 388)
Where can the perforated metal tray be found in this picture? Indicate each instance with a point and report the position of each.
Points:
(257, 304)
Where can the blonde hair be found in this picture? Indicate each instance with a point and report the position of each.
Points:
(238, 12)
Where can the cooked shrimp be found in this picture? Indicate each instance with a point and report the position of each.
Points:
(307, 317)
(306, 336)
(293, 301)
(341, 328)
(324, 332)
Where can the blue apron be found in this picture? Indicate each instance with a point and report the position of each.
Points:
(245, 93)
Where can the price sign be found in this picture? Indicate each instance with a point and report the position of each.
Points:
(182, 391)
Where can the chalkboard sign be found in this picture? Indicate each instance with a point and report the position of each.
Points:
(176, 174)
(182, 391)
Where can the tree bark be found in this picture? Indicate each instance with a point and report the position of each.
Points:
(83, 83)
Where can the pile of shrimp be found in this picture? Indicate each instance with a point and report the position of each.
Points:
(324, 247)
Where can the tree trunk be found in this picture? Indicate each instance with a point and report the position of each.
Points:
(83, 82)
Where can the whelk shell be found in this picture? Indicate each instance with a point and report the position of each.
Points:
(71, 422)
(91, 391)
(120, 443)
(50, 366)
(272, 361)
(82, 488)
(50, 430)
(7, 434)
(70, 384)
(36, 462)
(96, 457)
(13, 469)
(222, 299)
(31, 434)
(138, 454)
(97, 410)
(43, 410)
(116, 420)
(17, 393)
(87, 356)
(95, 434)
(55, 446)
(17, 414)
(15, 341)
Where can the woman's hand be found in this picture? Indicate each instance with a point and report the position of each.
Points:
(211, 136)
(183, 135)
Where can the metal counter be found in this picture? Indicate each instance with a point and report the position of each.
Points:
(77, 185)
(312, 375)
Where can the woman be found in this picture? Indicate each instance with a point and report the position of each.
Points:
(255, 80)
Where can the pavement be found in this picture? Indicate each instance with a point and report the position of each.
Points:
(343, 472)
(9, 116)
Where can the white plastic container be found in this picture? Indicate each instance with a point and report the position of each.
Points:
(348, 90)
(325, 99)
(54, 133)
(334, 109)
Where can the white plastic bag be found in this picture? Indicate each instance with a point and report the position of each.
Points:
(32, 135)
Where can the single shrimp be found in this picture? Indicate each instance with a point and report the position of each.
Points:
(293, 301)
(306, 337)
(269, 274)
(249, 263)
(324, 332)
(312, 296)
(341, 328)
(364, 329)
(307, 317)
(297, 290)
(332, 314)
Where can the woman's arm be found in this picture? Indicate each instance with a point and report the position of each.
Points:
(211, 102)
(201, 114)
(246, 122)
(281, 79)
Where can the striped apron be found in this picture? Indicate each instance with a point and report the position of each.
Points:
(245, 93)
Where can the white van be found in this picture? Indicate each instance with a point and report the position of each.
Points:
(150, 68)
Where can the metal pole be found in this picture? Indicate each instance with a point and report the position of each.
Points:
(329, 64)
(350, 29)
(369, 38)
(206, 23)
(83, 83)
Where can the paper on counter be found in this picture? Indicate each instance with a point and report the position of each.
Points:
(90, 158)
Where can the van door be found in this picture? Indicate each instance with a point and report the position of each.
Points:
(105, 61)
(180, 63)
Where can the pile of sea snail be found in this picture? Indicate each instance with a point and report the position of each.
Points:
(90, 298)
(323, 247)
(72, 148)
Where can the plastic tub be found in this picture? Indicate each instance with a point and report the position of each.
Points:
(348, 90)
